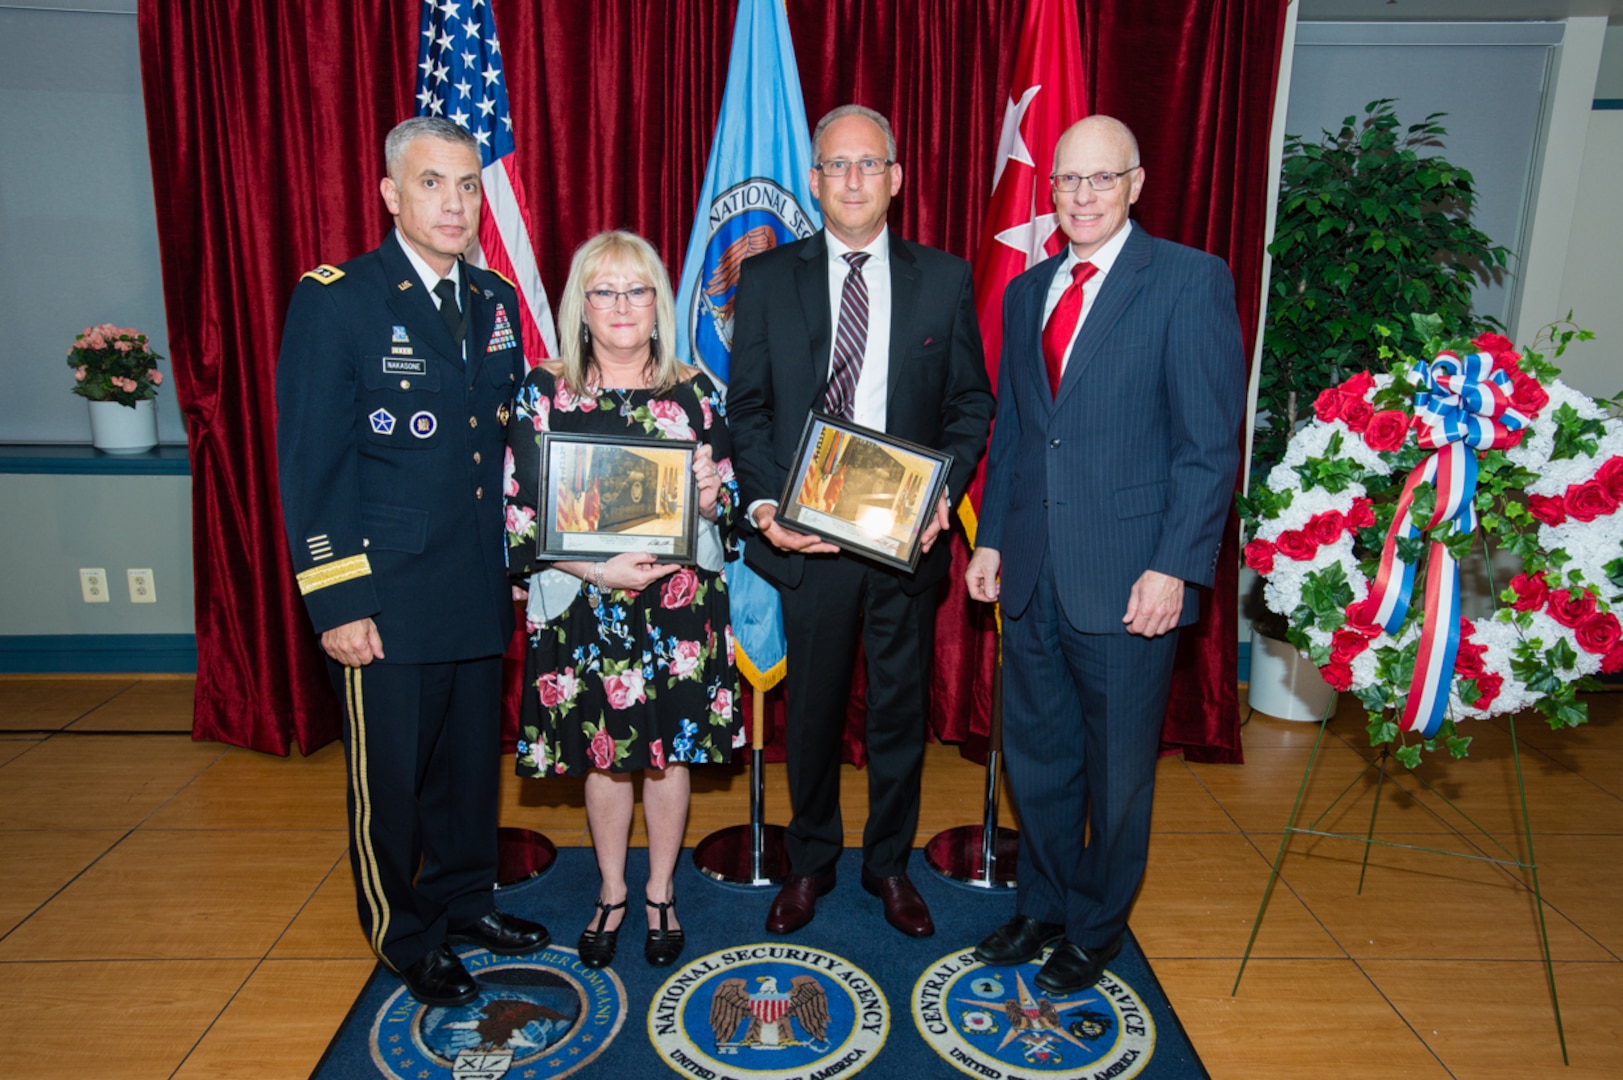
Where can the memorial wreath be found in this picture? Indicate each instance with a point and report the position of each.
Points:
(1359, 533)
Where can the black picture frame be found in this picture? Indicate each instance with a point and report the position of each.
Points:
(868, 492)
(603, 495)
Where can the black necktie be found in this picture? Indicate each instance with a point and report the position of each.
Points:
(446, 291)
(850, 340)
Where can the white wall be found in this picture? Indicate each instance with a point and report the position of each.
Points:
(1592, 285)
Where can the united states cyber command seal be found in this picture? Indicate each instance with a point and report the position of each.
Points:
(541, 1016)
(746, 219)
(769, 1012)
(994, 1022)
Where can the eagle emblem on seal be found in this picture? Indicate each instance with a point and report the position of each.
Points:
(770, 1014)
(722, 288)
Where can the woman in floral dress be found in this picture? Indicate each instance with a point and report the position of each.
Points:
(630, 662)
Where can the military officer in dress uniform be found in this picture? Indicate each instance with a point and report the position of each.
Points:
(393, 389)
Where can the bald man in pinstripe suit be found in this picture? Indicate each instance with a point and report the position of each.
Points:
(1113, 460)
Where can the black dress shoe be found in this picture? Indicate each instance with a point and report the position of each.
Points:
(440, 979)
(1019, 941)
(664, 945)
(501, 933)
(796, 902)
(596, 945)
(905, 909)
(1071, 969)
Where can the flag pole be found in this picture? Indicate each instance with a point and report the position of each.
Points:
(981, 856)
(755, 854)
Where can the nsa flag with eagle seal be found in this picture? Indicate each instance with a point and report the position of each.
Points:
(757, 188)
(769, 1012)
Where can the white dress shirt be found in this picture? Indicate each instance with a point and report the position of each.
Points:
(430, 277)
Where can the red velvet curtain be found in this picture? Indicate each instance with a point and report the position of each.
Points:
(266, 119)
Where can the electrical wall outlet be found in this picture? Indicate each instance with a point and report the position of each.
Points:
(142, 589)
(93, 584)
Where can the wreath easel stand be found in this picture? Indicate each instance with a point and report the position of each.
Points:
(1511, 863)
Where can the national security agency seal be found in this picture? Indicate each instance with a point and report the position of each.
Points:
(543, 1016)
(746, 219)
(769, 1012)
(995, 1022)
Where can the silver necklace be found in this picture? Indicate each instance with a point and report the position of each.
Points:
(625, 403)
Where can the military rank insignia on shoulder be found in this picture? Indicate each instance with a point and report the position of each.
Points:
(326, 273)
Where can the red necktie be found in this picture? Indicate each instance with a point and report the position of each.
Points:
(1062, 324)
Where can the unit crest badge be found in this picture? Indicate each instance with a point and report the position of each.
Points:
(746, 219)
(996, 1022)
(543, 1016)
(769, 1012)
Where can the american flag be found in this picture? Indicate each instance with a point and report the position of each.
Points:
(459, 78)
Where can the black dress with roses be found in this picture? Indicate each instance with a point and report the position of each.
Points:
(634, 680)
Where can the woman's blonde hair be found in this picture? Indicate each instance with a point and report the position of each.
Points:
(638, 259)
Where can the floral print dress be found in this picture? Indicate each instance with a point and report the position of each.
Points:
(624, 680)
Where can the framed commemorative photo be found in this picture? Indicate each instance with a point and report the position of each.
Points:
(866, 491)
(604, 495)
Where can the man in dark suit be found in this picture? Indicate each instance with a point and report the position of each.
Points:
(393, 388)
(1120, 397)
(856, 322)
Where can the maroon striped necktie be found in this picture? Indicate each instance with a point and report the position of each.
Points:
(1062, 324)
(849, 340)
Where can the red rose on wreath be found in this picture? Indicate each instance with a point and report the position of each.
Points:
(1490, 342)
(1387, 430)
(1571, 611)
(1339, 676)
(1346, 644)
(1361, 618)
(1295, 544)
(1468, 660)
(1488, 686)
(1362, 514)
(1259, 556)
(1327, 406)
(1513, 439)
(601, 749)
(1550, 509)
(1610, 475)
(1527, 395)
(1357, 413)
(680, 589)
(1358, 385)
(1589, 500)
(1531, 592)
(1600, 633)
(1612, 662)
(1326, 528)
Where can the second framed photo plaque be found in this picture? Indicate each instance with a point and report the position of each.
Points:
(601, 496)
(866, 491)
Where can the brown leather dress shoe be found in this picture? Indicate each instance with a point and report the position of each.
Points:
(905, 909)
(796, 902)
(440, 979)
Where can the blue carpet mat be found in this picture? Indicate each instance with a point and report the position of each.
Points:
(846, 995)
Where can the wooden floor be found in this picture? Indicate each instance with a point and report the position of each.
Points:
(172, 908)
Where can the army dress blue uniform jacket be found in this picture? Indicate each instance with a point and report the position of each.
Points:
(390, 450)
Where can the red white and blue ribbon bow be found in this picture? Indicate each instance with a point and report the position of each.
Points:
(1462, 406)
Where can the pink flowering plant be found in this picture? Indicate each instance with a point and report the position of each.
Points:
(112, 363)
(1403, 475)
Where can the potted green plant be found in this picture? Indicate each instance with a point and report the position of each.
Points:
(1372, 223)
(115, 369)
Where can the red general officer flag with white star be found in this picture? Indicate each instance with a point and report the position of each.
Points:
(1045, 98)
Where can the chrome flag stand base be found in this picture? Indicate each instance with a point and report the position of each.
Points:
(521, 855)
(980, 856)
(752, 855)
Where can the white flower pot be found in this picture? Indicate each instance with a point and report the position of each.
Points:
(1286, 684)
(119, 429)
